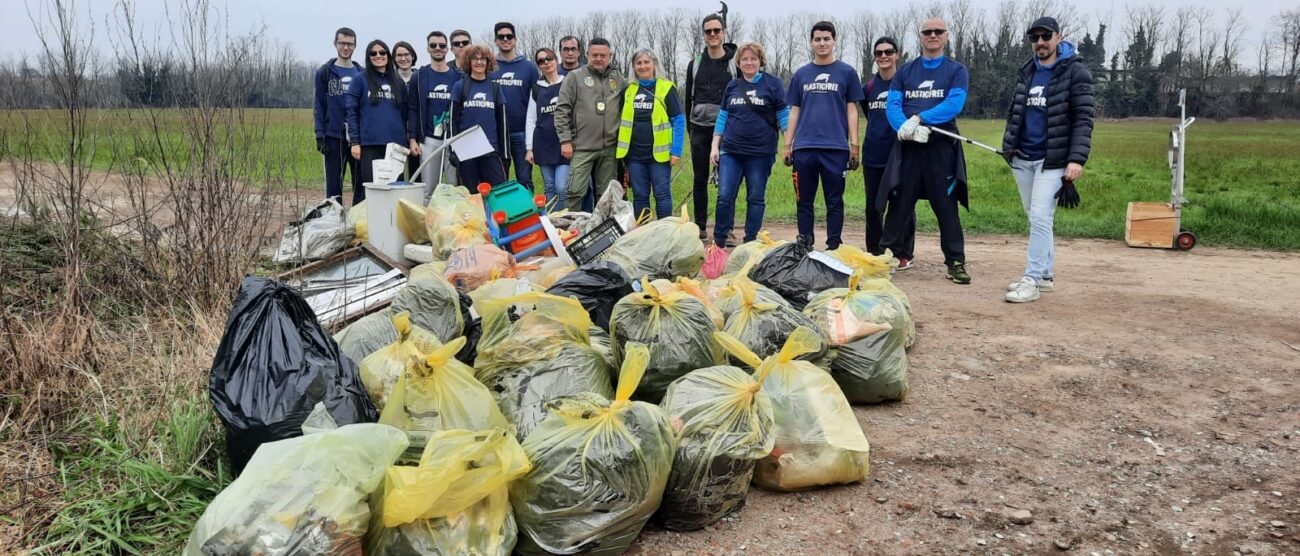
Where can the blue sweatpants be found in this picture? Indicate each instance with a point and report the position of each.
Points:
(827, 166)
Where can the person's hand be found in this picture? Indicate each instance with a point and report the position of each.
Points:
(1067, 196)
(415, 148)
(528, 155)
(356, 152)
(855, 156)
(909, 128)
(566, 149)
(1008, 156)
(1073, 170)
(674, 160)
(714, 156)
(320, 145)
(787, 157)
(922, 134)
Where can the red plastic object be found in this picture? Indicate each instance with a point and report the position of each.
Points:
(540, 201)
(484, 188)
(529, 240)
(499, 217)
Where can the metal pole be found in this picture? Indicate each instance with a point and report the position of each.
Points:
(964, 139)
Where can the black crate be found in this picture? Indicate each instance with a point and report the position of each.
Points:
(589, 246)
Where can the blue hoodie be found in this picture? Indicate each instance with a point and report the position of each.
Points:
(331, 87)
(429, 91)
(516, 78)
(379, 123)
(1033, 140)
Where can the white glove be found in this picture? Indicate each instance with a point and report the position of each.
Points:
(922, 134)
(909, 128)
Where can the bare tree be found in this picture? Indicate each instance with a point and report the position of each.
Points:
(1207, 41)
(1233, 27)
(1290, 46)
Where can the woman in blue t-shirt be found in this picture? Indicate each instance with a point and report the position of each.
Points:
(375, 115)
(540, 138)
(650, 135)
(476, 100)
(744, 141)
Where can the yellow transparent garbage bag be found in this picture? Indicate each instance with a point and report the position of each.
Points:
(456, 501)
(764, 325)
(303, 495)
(357, 216)
(724, 424)
(550, 269)
(410, 221)
(818, 439)
(864, 263)
(693, 288)
(381, 369)
(677, 327)
(728, 297)
(451, 204)
(448, 239)
(429, 270)
(661, 249)
(434, 305)
(752, 250)
(501, 288)
(887, 287)
(536, 348)
(438, 393)
(599, 470)
(870, 323)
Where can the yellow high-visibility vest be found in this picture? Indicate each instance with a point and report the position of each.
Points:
(662, 127)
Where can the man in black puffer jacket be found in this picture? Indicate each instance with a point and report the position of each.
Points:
(1047, 140)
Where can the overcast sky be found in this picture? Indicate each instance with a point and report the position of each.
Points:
(307, 26)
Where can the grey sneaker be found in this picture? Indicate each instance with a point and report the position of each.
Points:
(1025, 290)
(1044, 285)
(957, 273)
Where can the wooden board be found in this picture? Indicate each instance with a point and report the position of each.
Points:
(1151, 225)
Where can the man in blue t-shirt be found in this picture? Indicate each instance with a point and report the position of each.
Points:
(332, 81)
(515, 75)
(929, 91)
(880, 139)
(821, 141)
(428, 105)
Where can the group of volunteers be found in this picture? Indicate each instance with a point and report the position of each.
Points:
(586, 124)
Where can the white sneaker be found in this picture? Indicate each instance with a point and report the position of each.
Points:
(1025, 290)
(1044, 285)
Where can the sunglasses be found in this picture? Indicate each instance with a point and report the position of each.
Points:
(545, 59)
(459, 44)
(1035, 37)
(437, 46)
(505, 37)
(378, 53)
(889, 52)
(934, 32)
(714, 31)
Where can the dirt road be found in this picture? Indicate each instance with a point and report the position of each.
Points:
(1148, 406)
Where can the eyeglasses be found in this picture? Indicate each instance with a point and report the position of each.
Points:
(713, 31)
(378, 53)
(404, 55)
(887, 52)
(568, 49)
(505, 37)
(545, 59)
(934, 32)
(1035, 37)
(459, 44)
(342, 44)
(437, 46)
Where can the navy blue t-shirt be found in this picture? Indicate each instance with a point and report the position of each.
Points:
(516, 79)
(752, 115)
(377, 123)
(822, 94)
(431, 93)
(880, 137)
(1033, 137)
(478, 107)
(934, 88)
(641, 148)
(546, 142)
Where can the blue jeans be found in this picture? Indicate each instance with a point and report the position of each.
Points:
(1038, 189)
(523, 170)
(648, 177)
(755, 170)
(552, 175)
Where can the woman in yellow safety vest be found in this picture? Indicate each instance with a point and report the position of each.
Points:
(650, 135)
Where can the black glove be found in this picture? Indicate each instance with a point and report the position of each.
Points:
(1008, 156)
(789, 161)
(853, 164)
(1067, 196)
(320, 145)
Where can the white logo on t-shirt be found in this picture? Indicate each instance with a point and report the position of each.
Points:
(927, 84)
(480, 96)
(822, 77)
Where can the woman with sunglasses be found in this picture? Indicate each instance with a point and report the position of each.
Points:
(880, 139)
(744, 141)
(542, 141)
(477, 101)
(375, 111)
(650, 135)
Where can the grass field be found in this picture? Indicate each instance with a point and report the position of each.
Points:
(1242, 179)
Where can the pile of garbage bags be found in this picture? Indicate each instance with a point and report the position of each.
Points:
(494, 407)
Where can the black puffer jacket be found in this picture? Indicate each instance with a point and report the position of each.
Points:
(1069, 111)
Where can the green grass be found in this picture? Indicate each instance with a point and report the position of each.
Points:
(1241, 176)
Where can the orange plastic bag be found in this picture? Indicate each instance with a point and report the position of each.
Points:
(471, 267)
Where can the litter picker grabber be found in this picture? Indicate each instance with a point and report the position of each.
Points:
(966, 140)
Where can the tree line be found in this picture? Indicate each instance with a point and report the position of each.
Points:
(1138, 64)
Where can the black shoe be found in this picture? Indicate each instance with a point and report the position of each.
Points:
(731, 239)
(957, 272)
(806, 241)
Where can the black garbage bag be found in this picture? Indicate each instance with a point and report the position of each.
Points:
(764, 327)
(791, 271)
(597, 286)
(274, 364)
(473, 331)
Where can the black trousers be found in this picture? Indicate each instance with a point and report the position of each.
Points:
(701, 148)
(338, 157)
(369, 154)
(928, 170)
(876, 215)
